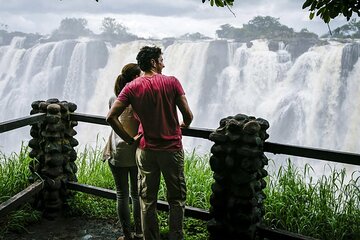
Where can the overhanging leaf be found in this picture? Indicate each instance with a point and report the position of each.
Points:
(306, 4)
(219, 3)
(311, 16)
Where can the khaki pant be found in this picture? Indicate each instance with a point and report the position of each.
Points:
(171, 165)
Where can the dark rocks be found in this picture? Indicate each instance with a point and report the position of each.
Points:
(52, 147)
(238, 163)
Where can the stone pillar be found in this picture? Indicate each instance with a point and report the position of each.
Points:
(53, 152)
(238, 163)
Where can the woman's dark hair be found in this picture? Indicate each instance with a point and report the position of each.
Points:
(145, 55)
(129, 72)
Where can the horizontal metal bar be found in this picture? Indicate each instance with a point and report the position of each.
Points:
(192, 132)
(197, 132)
(21, 122)
(276, 148)
(278, 234)
(88, 118)
(316, 153)
(193, 212)
(20, 198)
(96, 191)
(111, 194)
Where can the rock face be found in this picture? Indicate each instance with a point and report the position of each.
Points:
(53, 152)
(298, 46)
(349, 57)
(238, 163)
(295, 46)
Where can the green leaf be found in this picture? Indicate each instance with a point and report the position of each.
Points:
(333, 13)
(311, 16)
(326, 17)
(313, 5)
(219, 3)
(211, 2)
(320, 4)
(307, 4)
(320, 11)
(229, 2)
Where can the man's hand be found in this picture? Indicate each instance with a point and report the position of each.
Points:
(182, 104)
(183, 125)
(135, 139)
(138, 137)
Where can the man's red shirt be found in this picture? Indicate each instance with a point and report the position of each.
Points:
(153, 100)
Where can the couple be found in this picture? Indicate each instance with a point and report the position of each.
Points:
(154, 98)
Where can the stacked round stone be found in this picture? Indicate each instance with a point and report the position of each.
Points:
(238, 163)
(53, 152)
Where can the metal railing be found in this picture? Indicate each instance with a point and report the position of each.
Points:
(275, 148)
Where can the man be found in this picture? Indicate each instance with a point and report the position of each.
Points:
(154, 98)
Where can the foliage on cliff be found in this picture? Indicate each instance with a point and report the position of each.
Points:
(349, 30)
(262, 27)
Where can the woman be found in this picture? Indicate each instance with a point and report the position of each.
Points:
(121, 158)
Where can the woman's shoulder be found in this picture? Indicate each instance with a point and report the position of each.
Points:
(112, 100)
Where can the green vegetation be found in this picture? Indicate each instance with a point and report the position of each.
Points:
(111, 30)
(262, 27)
(328, 10)
(349, 30)
(328, 208)
(14, 173)
(193, 36)
(94, 172)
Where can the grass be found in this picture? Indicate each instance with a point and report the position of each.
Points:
(94, 172)
(14, 174)
(326, 208)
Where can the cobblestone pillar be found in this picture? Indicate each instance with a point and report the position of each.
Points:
(53, 152)
(238, 163)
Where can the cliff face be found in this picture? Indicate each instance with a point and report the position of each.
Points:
(350, 56)
(295, 46)
(30, 39)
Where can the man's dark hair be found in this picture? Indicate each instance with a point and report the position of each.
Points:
(145, 55)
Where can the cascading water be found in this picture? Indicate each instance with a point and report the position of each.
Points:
(309, 101)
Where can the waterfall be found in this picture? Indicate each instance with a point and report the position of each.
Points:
(309, 101)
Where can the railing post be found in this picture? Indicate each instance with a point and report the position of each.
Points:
(238, 163)
(53, 152)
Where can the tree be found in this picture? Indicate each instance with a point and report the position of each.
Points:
(268, 27)
(349, 30)
(228, 31)
(259, 27)
(111, 27)
(112, 30)
(304, 33)
(325, 9)
(193, 36)
(72, 28)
